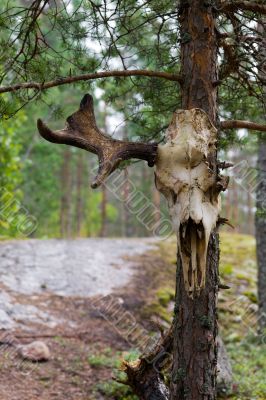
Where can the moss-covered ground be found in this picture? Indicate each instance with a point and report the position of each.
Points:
(237, 312)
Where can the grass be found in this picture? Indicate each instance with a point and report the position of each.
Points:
(100, 360)
(115, 390)
(249, 366)
(111, 388)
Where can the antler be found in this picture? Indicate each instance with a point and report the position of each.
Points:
(81, 131)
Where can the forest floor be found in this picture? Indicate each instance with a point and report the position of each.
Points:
(84, 297)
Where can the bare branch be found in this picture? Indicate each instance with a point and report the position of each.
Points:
(88, 77)
(245, 6)
(81, 131)
(237, 124)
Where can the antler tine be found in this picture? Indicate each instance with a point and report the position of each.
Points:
(81, 131)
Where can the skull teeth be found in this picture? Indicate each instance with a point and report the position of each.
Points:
(199, 233)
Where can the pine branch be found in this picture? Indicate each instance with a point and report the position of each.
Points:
(87, 77)
(237, 124)
(244, 6)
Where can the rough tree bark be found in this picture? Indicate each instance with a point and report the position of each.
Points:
(261, 232)
(260, 220)
(195, 320)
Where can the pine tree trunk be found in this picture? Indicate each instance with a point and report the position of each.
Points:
(260, 220)
(195, 320)
(250, 219)
(65, 212)
(261, 232)
(104, 189)
(103, 211)
(79, 202)
(228, 205)
(157, 202)
(126, 228)
(235, 216)
(126, 225)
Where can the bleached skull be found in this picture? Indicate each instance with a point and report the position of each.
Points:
(184, 176)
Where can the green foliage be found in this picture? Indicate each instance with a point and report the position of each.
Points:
(10, 150)
(244, 107)
(10, 176)
(93, 213)
(85, 37)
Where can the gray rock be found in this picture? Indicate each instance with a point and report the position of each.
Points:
(5, 321)
(82, 267)
(35, 351)
(225, 374)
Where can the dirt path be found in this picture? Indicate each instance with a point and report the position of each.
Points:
(48, 292)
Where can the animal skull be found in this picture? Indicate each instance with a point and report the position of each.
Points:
(185, 177)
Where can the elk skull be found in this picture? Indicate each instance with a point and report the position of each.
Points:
(185, 176)
(184, 173)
